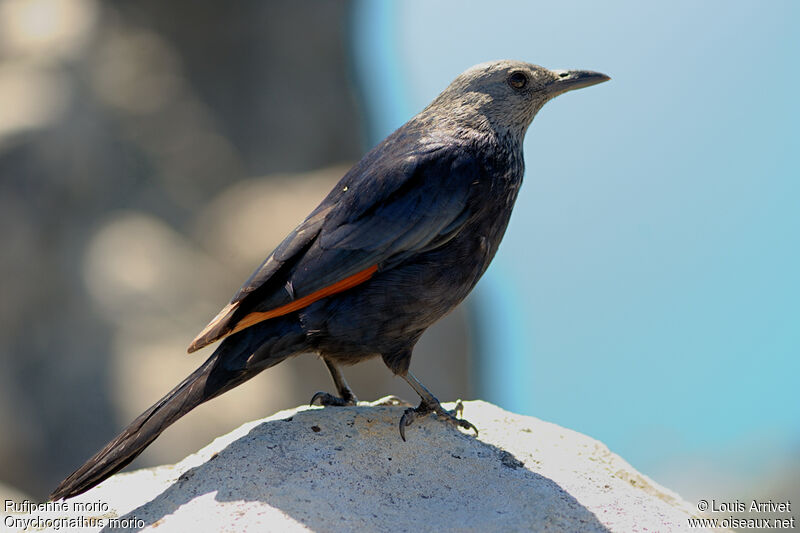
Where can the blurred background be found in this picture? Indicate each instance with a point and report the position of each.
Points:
(646, 293)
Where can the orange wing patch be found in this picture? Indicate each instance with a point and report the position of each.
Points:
(260, 316)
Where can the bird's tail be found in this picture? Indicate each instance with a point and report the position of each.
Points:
(238, 358)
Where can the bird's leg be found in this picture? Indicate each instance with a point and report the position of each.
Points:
(346, 395)
(429, 404)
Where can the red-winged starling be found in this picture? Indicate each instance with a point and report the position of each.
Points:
(395, 246)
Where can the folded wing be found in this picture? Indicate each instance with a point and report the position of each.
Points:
(383, 211)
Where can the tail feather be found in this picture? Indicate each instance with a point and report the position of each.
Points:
(237, 359)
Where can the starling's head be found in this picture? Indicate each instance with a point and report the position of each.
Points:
(506, 95)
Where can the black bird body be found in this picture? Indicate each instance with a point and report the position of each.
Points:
(455, 184)
(396, 245)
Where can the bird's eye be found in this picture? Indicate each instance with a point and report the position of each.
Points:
(517, 80)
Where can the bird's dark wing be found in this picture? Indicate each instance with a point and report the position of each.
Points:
(293, 245)
(378, 214)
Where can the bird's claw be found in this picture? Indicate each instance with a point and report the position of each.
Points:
(411, 414)
(424, 409)
(329, 400)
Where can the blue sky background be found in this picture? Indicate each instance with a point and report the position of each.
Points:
(647, 291)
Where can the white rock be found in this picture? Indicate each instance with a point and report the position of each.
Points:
(346, 469)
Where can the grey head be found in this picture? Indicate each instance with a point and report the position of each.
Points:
(504, 96)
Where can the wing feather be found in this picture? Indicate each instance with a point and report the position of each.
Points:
(378, 214)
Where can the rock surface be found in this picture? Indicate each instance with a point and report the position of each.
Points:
(346, 469)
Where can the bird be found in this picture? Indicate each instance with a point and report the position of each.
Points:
(396, 245)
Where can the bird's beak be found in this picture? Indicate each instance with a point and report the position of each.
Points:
(568, 80)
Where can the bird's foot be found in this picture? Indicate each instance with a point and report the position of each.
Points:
(329, 400)
(390, 400)
(425, 408)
